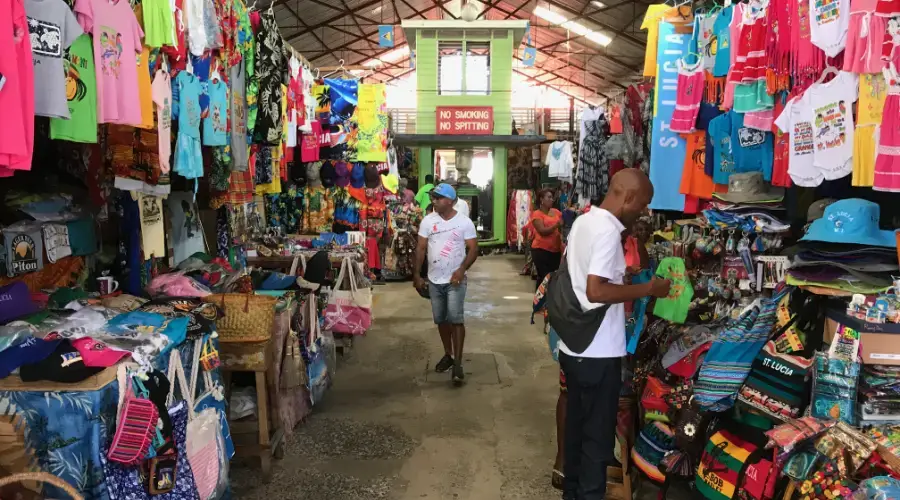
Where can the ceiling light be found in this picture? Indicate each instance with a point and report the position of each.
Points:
(580, 29)
(599, 4)
(376, 10)
(392, 56)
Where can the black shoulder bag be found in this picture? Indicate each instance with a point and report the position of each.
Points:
(575, 326)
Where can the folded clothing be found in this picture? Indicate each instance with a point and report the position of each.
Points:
(64, 364)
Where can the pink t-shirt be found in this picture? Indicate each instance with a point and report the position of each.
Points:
(162, 97)
(117, 44)
(17, 95)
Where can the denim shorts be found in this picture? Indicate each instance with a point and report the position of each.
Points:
(447, 302)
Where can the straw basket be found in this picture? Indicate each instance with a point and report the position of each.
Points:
(42, 477)
(248, 318)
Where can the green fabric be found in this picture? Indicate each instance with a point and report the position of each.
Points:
(423, 198)
(674, 307)
(845, 286)
(63, 296)
(81, 91)
(158, 23)
(82, 236)
(752, 97)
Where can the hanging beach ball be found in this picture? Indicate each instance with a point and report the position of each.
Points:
(470, 11)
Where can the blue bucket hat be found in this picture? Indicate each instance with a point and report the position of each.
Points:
(851, 221)
(445, 191)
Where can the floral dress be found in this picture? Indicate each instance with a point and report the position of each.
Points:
(318, 210)
(270, 67)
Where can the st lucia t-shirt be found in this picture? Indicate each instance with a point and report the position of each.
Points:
(117, 43)
(52, 28)
(794, 121)
(446, 244)
(81, 92)
(722, 160)
(830, 106)
(753, 149)
(829, 21)
(215, 124)
(153, 236)
(189, 104)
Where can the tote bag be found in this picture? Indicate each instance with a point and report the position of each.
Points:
(349, 311)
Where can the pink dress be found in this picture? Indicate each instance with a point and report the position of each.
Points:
(687, 101)
(864, 37)
(17, 96)
(735, 34)
(887, 165)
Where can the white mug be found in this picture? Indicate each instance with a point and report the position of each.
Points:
(107, 285)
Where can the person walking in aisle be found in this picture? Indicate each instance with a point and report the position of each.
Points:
(422, 196)
(451, 244)
(546, 247)
(596, 265)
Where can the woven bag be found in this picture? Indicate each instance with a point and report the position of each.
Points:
(248, 318)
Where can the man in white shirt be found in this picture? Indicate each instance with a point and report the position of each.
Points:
(451, 243)
(596, 264)
(462, 207)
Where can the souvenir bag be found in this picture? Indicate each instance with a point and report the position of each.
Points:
(318, 376)
(777, 385)
(204, 447)
(349, 311)
(835, 378)
(734, 462)
(136, 423)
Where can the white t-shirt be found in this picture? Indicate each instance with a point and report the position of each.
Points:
(446, 244)
(461, 207)
(595, 247)
(828, 24)
(559, 160)
(793, 121)
(830, 108)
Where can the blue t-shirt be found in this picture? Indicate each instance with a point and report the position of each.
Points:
(188, 104)
(215, 124)
(201, 67)
(722, 164)
(754, 149)
(722, 32)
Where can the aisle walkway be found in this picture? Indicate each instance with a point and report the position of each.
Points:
(391, 428)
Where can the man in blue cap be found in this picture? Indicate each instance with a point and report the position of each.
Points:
(450, 240)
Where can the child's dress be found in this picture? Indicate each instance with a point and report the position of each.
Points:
(687, 102)
(887, 165)
(864, 38)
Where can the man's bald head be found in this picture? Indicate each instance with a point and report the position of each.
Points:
(630, 191)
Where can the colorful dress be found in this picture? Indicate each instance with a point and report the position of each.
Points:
(270, 67)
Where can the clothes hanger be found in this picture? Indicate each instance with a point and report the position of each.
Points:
(827, 71)
(342, 70)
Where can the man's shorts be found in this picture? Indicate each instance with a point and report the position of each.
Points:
(447, 302)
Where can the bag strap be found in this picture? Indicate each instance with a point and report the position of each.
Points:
(340, 278)
(176, 372)
(293, 271)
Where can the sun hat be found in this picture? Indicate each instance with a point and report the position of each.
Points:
(342, 170)
(851, 221)
(748, 187)
(15, 301)
(444, 190)
(390, 182)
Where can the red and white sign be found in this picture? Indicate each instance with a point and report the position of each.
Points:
(458, 120)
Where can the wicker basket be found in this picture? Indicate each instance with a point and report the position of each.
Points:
(42, 477)
(248, 318)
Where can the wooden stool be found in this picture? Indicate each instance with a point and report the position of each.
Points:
(618, 479)
(263, 436)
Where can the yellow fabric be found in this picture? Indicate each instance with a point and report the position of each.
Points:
(145, 91)
(726, 489)
(865, 150)
(651, 23)
(390, 182)
(872, 93)
(371, 114)
(736, 452)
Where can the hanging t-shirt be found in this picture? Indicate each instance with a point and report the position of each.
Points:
(81, 92)
(240, 156)
(162, 97)
(188, 104)
(145, 89)
(446, 244)
(559, 159)
(202, 65)
(722, 30)
(117, 42)
(294, 99)
(830, 107)
(675, 306)
(706, 40)
(872, 94)
(24, 248)
(694, 180)
(828, 24)
(794, 121)
(52, 28)
(753, 149)
(723, 154)
(651, 24)
(159, 23)
(215, 124)
(309, 143)
(187, 234)
(153, 235)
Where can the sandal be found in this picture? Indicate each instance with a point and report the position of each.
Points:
(556, 479)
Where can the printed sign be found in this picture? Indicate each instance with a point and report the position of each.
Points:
(458, 120)
(24, 258)
(667, 146)
(56, 241)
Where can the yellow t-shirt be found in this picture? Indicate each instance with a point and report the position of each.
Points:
(651, 23)
(872, 93)
(145, 90)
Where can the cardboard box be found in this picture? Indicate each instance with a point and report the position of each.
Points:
(879, 342)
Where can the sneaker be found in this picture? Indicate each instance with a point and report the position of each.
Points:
(459, 376)
(444, 364)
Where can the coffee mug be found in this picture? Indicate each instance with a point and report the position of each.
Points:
(107, 285)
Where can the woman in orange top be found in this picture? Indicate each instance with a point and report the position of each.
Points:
(546, 248)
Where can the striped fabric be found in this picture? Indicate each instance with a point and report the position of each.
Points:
(729, 359)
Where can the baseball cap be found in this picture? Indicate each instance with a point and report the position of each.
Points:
(687, 366)
(358, 175)
(30, 350)
(97, 354)
(817, 209)
(444, 190)
(692, 339)
(342, 169)
(328, 174)
(15, 301)
(64, 364)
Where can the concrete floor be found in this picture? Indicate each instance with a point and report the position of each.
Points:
(390, 428)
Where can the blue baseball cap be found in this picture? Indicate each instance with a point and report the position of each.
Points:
(851, 221)
(444, 190)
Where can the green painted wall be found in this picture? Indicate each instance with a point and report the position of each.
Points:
(500, 99)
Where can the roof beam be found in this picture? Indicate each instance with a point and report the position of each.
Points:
(576, 15)
(337, 17)
(561, 91)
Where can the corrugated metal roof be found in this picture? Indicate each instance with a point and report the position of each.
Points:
(326, 31)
